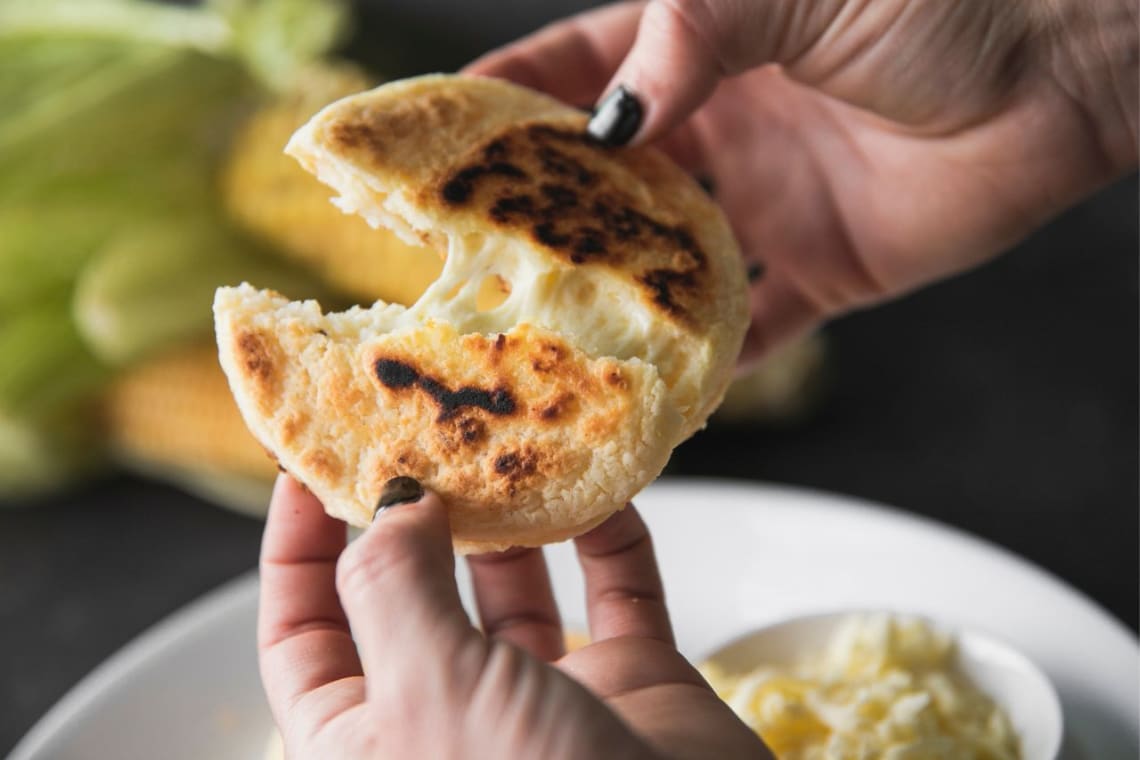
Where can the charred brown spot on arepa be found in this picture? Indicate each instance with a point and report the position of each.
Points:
(512, 206)
(411, 462)
(255, 355)
(514, 467)
(459, 188)
(668, 286)
(323, 463)
(376, 132)
(617, 379)
(495, 150)
(547, 357)
(546, 181)
(471, 430)
(357, 135)
(293, 426)
(558, 408)
(464, 432)
(397, 374)
(259, 355)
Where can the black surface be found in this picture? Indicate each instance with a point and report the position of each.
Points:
(1004, 402)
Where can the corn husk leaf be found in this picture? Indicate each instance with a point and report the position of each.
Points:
(39, 456)
(153, 286)
(46, 365)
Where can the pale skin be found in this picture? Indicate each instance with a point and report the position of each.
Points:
(898, 142)
(366, 651)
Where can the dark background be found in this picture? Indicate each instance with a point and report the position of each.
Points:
(1003, 402)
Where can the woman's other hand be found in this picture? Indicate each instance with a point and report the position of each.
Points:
(897, 141)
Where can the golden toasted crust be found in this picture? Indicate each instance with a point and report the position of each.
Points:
(623, 309)
(527, 440)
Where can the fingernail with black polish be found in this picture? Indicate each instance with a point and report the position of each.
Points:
(754, 270)
(399, 490)
(617, 118)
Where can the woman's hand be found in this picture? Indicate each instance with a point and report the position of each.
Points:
(899, 141)
(414, 679)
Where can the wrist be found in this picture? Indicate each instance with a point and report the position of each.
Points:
(1095, 45)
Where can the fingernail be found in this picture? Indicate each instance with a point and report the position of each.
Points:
(399, 490)
(616, 119)
(755, 270)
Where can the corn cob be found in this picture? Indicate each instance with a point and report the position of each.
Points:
(784, 388)
(175, 412)
(270, 195)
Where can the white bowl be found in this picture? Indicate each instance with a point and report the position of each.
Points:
(1008, 677)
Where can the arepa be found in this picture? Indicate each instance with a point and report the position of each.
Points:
(535, 415)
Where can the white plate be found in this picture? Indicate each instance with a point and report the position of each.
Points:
(734, 557)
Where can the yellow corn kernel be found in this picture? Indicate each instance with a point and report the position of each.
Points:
(273, 197)
(175, 411)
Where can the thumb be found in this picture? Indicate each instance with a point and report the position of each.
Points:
(397, 586)
(683, 49)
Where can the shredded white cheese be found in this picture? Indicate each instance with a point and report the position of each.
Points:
(884, 688)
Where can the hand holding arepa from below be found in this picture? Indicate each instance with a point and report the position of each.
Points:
(366, 651)
(896, 143)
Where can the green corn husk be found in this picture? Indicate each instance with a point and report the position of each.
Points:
(125, 108)
(45, 365)
(278, 39)
(142, 129)
(40, 456)
(44, 246)
(106, 135)
(117, 21)
(154, 285)
(116, 115)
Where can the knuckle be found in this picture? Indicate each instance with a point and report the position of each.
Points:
(694, 13)
(505, 670)
(634, 596)
(688, 17)
(503, 661)
(375, 559)
(717, 28)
